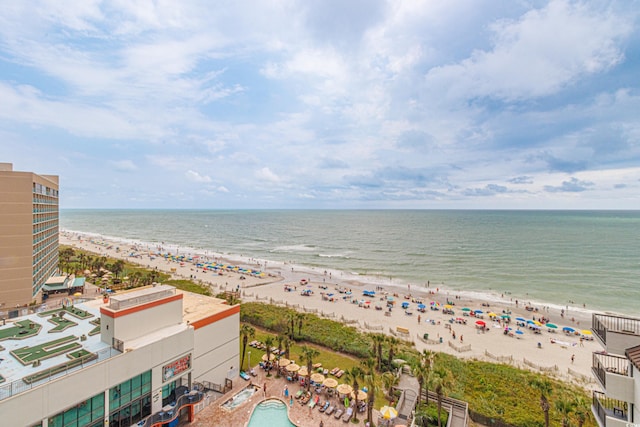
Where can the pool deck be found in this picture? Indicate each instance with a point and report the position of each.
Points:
(300, 415)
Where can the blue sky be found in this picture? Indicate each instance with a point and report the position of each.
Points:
(325, 104)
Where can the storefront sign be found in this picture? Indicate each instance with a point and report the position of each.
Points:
(176, 367)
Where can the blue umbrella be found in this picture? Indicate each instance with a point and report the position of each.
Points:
(421, 306)
(530, 322)
(478, 311)
(519, 332)
(405, 304)
(521, 319)
(568, 329)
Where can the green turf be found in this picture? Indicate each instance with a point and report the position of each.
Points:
(14, 332)
(74, 311)
(61, 324)
(78, 354)
(27, 355)
(29, 379)
(95, 330)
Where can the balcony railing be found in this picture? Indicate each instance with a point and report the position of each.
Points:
(603, 363)
(604, 407)
(171, 412)
(601, 323)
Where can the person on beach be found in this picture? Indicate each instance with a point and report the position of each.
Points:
(573, 357)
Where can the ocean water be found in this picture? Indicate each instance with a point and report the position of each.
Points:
(557, 258)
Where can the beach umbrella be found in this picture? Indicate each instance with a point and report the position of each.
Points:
(478, 312)
(77, 294)
(480, 323)
(492, 314)
(87, 272)
(568, 329)
(303, 371)
(292, 367)
(271, 357)
(448, 306)
(344, 389)
(317, 378)
(330, 383)
(405, 305)
(422, 306)
(284, 362)
(519, 332)
(388, 412)
(505, 316)
(551, 325)
(586, 332)
(521, 319)
(466, 309)
(362, 395)
(535, 322)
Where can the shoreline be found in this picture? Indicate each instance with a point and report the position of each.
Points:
(488, 344)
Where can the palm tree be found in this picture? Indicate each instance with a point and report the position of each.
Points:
(355, 374)
(291, 324)
(117, 267)
(544, 387)
(389, 380)
(393, 346)
(246, 332)
(65, 256)
(427, 360)
(581, 409)
(565, 407)
(268, 342)
(308, 354)
(372, 382)
(421, 373)
(441, 381)
(300, 319)
(378, 340)
(287, 346)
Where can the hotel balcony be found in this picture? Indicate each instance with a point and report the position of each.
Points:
(616, 333)
(609, 412)
(614, 374)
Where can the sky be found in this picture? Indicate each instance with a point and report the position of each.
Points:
(462, 104)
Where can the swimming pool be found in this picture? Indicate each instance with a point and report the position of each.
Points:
(239, 398)
(270, 413)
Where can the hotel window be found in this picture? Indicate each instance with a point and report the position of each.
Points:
(87, 413)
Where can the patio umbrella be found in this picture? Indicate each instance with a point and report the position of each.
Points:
(330, 383)
(422, 306)
(271, 357)
(388, 412)
(344, 389)
(284, 362)
(492, 314)
(362, 395)
(568, 329)
(448, 306)
(317, 378)
(292, 368)
(506, 316)
(551, 325)
(303, 371)
(478, 312)
(519, 332)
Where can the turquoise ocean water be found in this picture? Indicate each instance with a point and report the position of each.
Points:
(549, 257)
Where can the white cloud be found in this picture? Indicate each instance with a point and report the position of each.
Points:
(267, 175)
(196, 177)
(124, 165)
(537, 55)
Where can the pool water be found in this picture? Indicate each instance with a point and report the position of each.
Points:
(239, 398)
(270, 413)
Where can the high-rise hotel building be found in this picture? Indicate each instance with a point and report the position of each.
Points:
(28, 235)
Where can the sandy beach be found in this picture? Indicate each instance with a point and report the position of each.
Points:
(566, 357)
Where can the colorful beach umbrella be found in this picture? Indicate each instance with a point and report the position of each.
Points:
(521, 319)
(519, 332)
(551, 326)
(466, 309)
(480, 323)
(586, 332)
(388, 412)
(568, 329)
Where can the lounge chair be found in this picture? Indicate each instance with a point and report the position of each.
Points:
(305, 399)
(347, 416)
(244, 376)
(299, 394)
(314, 402)
(330, 410)
(338, 414)
(324, 406)
(339, 373)
(334, 371)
